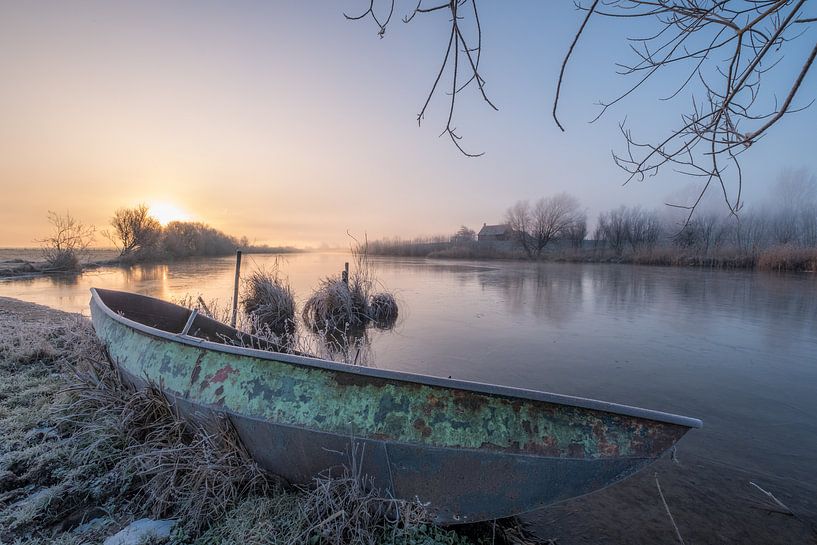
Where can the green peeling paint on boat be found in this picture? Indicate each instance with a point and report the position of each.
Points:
(351, 403)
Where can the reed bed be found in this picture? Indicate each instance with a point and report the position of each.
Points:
(788, 258)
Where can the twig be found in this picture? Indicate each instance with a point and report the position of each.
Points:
(666, 507)
(773, 499)
(567, 58)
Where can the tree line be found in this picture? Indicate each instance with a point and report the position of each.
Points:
(778, 232)
(137, 236)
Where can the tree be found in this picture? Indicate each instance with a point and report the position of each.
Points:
(642, 228)
(68, 242)
(721, 52)
(577, 232)
(189, 238)
(520, 220)
(793, 208)
(135, 232)
(611, 228)
(549, 219)
(464, 235)
(552, 218)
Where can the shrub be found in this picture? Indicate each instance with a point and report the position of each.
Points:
(187, 238)
(135, 232)
(69, 240)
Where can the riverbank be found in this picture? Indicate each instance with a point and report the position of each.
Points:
(84, 458)
(23, 262)
(774, 258)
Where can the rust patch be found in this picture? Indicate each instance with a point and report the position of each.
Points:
(421, 426)
(353, 379)
(197, 368)
(468, 401)
(575, 450)
(222, 374)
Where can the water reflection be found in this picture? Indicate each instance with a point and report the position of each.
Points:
(540, 290)
(67, 279)
(145, 273)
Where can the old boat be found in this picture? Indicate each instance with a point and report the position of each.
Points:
(469, 451)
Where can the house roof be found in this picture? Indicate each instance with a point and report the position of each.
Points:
(494, 230)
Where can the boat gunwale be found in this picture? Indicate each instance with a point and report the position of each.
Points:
(388, 374)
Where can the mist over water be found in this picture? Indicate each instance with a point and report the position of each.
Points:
(736, 349)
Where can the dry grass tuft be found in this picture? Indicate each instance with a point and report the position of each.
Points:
(80, 444)
(346, 508)
(175, 468)
(267, 299)
(383, 310)
(336, 306)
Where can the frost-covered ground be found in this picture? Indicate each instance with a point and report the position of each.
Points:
(83, 457)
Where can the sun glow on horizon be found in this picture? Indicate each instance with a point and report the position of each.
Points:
(166, 212)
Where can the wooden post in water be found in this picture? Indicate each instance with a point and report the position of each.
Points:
(235, 288)
(345, 274)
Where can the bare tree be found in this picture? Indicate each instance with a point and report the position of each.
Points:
(462, 54)
(750, 232)
(552, 217)
(577, 232)
(720, 51)
(134, 232)
(642, 228)
(792, 208)
(705, 232)
(611, 228)
(464, 235)
(520, 220)
(68, 242)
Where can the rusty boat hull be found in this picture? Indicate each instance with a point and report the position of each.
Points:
(469, 451)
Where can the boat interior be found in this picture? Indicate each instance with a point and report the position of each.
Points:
(178, 320)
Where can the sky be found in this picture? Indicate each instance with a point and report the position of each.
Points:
(289, 124)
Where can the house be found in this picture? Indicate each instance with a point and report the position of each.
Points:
(494, 233)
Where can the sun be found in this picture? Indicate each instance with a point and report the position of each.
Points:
(166, 212)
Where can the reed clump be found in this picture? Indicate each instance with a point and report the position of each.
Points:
(350, 304)
(268, 301)
(336, 305)
(383, 309)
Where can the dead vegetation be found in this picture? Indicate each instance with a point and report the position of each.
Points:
(336, 306)
(84, 454)
(349, 304)
(383, 310)
(67, 244)
(267, 298)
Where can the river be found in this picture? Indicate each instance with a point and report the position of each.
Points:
(736, 349)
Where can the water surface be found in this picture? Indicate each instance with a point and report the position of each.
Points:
(736, 349)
